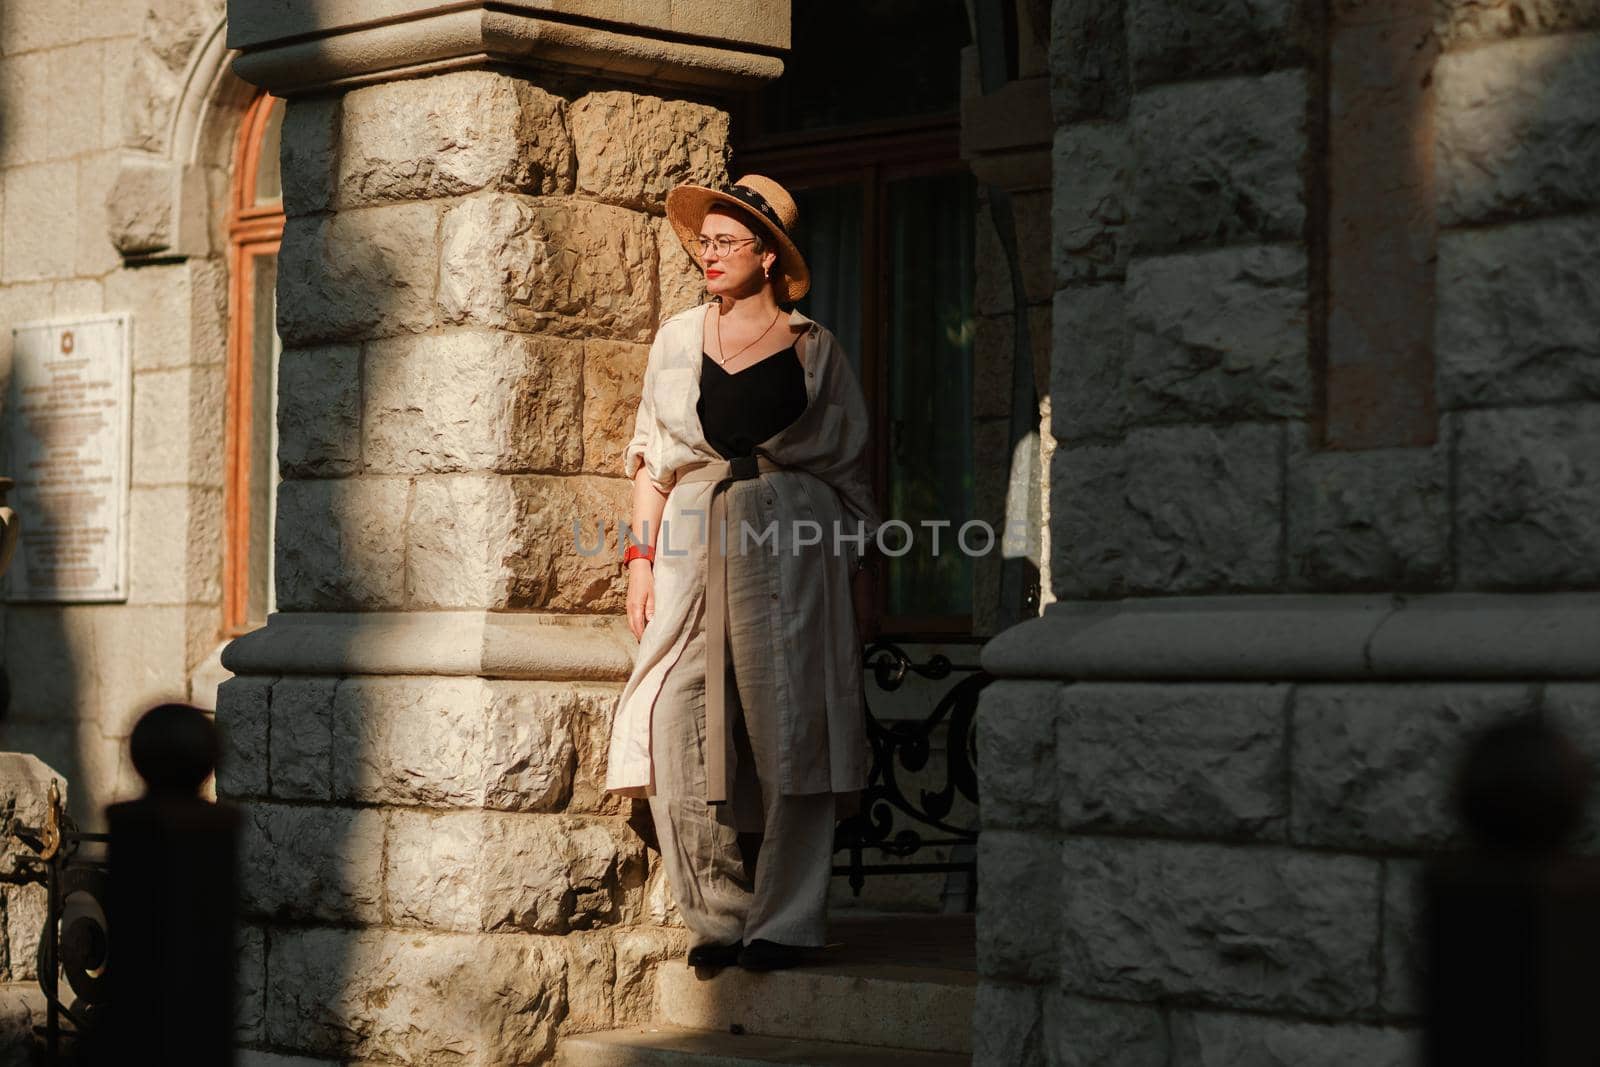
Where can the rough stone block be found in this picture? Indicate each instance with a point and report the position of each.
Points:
(409, 741)
(530, 757)
(1518, 133)
(159, 296)
(312, 863)
(472, 400)
(489, 871)
(158, 539)
(362, 273)
(633, 148)
(1016, 753)
(412, 997)
(319, 415)
(1170, 510)
(309, 153)
(40, 221)
(96, 255)
(1015, 942)
(1219, 161)
(177, 425)
(1193, 760)
(592, 712)
(459, 540)
(1219, 336)
(249, 982)
(613, 376)
(1169, 40)
(1528, 497)
(1458, 23)
(1373, 765)
(1012, 1030)
(27, 908)
(555, 520)
(1404, 953)
(1099, 1033)
(1088, 60)
(1519, 313)
(566, 267)
(1377, 519)
(591, 979)
(243, 705)
(1093, 169)
(640, 953)
(680, 281)
(451, 134)
(1255, 928)
(1206, 1040)
(458, 742)
(301, 738)
(1088, 374)
(340, 544)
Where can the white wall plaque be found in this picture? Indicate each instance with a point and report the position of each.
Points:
(69, 418)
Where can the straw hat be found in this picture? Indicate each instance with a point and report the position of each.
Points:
(772, 207)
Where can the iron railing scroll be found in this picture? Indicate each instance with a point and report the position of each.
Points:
(74, 944)
(891, 821)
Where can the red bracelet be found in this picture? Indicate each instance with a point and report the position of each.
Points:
(640, 552)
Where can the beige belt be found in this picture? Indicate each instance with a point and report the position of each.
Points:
(720, 472)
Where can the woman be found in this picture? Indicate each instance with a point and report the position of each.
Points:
(744, 710)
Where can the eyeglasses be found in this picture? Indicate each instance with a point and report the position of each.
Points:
(723, 243)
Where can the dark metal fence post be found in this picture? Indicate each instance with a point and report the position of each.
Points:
(172, 907)
(1513, 926)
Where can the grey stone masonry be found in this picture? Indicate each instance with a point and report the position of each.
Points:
(1325, 504)
(472, 270)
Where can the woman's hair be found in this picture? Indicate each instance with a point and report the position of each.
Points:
(757, 230)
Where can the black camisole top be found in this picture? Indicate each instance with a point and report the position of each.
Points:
(740, 410)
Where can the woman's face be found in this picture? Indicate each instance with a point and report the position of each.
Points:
(738, 274)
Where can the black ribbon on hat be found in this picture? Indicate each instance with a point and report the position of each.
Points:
(749, 196)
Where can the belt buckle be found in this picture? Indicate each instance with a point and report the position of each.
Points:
(742, 467)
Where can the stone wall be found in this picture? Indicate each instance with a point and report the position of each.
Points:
(88, 93)
(473, 268)
(1219, 843)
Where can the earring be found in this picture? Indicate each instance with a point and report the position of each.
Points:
(766, 272)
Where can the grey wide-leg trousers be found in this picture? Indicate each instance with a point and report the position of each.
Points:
(721, 902)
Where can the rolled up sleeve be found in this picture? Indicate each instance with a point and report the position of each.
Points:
(645, 447)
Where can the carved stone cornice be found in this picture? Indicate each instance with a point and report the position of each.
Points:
(303, 46)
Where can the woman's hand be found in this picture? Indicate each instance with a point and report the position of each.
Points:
(641, 596)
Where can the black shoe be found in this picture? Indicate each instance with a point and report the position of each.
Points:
(761, 955)
(714, 955)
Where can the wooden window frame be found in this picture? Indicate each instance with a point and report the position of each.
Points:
(870, 155)
(253, 230)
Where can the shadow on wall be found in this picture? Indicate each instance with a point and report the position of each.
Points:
(39, 691)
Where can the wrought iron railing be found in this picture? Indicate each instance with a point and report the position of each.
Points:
(891, 822)
(74, 944)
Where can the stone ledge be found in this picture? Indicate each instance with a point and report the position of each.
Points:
(301, 55)
(475, 644)
(1304, 638)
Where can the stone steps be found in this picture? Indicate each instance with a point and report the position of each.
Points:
(669, 1046)
(920, 1008)
(889, 990)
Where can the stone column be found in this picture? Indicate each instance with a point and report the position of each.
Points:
(1324, 506)
(474, 265)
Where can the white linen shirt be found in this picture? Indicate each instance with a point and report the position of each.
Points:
(820, 698)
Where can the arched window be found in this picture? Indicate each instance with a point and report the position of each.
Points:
(255, 229)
